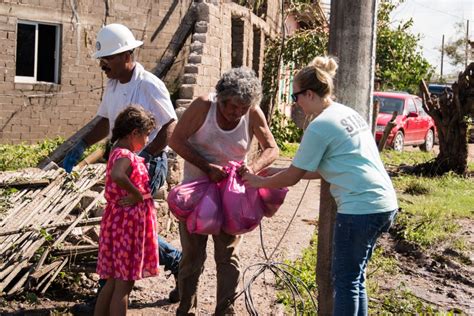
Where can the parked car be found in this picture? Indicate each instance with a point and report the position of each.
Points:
(438, 89)
(413, 125)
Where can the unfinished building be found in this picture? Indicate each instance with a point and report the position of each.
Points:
(51, 86)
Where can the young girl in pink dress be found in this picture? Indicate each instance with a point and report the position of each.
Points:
(128, 247)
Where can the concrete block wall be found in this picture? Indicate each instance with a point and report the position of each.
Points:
(32, 112)
(211, 45)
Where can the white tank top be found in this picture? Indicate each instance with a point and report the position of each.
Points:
(216, 145)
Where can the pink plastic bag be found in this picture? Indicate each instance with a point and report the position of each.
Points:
(207, 217)
(272, 199)
(241, 205)
(183, 198)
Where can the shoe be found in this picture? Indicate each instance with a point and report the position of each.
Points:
(174, 294)
(85, 308)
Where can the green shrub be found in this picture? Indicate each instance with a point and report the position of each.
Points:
(284, 130)
(13, 157)
(290, 150)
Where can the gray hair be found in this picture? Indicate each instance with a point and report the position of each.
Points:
(241, 84)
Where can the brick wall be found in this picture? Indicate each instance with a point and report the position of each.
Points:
(31, 112)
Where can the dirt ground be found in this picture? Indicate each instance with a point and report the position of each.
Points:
(150, 298)
(445, 284)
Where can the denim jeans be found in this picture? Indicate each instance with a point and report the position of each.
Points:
(169, 256)
(353, 243)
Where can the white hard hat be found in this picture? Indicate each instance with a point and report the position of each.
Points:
(114, 39)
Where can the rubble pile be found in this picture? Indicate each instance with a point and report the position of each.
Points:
(47, 225)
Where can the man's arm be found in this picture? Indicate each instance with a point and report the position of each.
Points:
(162, 138)
(189, 123)
(99, 132)
(265, 138)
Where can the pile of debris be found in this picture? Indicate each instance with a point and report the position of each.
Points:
(47, 225)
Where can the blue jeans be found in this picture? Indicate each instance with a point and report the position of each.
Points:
(169, 256)
(353, 244)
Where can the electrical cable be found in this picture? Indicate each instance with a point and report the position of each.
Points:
(282, 272)
(427, 7)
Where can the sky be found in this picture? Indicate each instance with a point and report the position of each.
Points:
(432, 19)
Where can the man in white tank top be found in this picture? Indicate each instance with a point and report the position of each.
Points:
(214, 130)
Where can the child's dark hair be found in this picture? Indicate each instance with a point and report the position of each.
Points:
(133, 117)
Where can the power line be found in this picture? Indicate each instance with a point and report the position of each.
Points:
(443, 12)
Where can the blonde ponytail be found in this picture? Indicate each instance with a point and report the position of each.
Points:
(318, 76)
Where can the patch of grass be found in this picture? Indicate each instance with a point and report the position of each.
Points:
(417, 187)
(401, 301)
(381, 264)
(425, 229)
(397, 301)
(303, 269)
(289, 150)
(432, 206)
(470, 166)
(391, 157)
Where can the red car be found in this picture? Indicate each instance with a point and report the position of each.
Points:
(413, 125)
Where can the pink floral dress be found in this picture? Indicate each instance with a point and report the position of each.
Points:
(128, 246)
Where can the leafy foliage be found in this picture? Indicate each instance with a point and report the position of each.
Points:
(400, 63)
(290, 150)
(309, 41)
(13, 157)
(284, 130)
(455, 48)
(295, 51)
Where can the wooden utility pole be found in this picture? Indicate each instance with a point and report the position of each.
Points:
(352, 41)
(442, 57)
(467, 44)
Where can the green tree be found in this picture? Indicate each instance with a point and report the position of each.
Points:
(455, 48)
(400, 63)
(294, 51)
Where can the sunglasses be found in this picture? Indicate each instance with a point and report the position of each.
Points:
(294, 96)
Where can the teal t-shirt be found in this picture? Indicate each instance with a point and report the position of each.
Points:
(339, 145)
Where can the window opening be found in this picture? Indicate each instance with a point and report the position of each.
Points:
(37, 52)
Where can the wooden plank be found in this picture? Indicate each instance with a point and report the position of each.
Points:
(58, 155)
(25, 183)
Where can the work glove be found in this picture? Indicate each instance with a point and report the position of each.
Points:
(73, 155)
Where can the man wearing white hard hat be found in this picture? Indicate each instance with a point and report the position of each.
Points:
(129, 83)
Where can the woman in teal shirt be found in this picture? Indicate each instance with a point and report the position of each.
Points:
(338, 146)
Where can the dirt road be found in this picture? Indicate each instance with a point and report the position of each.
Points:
(150, 297)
